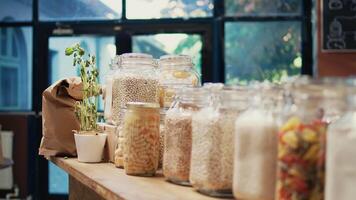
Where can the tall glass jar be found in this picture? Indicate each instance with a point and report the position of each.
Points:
(178, 134)
(136, 80)
(141, 134)
(255, 157)
(212, 142)
(300, 140)
(108, 90)
(340, 151)
(175, 70)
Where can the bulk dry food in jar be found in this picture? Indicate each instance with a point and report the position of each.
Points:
(136, 80)
(212, 143)
(178, 134)
(255, 157)
(300, 156)
(161, 138)
(108, 91)
(175, 70)
(141, 139)
(341, 160)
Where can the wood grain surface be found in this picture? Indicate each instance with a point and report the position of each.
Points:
(112, 183)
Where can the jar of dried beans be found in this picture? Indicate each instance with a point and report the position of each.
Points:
(108, 90)
(136, 80)
(175, 70)
(212, 142)
(301, 161)
(255, 139)
(141, 138)
(178, 134)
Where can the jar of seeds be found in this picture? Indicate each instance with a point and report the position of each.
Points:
(141, 138)
(136, 80)
(175, 70)
(178, 134)
(212, 142)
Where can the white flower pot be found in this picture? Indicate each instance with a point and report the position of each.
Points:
(90, 147)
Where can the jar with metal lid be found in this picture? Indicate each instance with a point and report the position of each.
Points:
(178, 133)
(175, 70)
(136, 80)
(255, 156)
(108, 90)
(212, 142)
(340, 151)
(141, 138)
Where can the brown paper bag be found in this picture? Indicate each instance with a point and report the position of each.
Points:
(58, 117)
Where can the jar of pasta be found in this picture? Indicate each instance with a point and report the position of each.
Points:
(136, 80)
(212, 142)
(175, 70)
(178, 134)
(141, 138)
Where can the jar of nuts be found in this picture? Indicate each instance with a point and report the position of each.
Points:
(141, 138)
(178, 134)
(212, 142)
(136, 80)
(175, 70)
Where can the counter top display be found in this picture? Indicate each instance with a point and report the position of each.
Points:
(108, 182)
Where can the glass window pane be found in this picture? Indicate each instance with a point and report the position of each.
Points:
(61, 66)
(170, 43)
(148, 9)
(15, 10)
(57, 180)
(262, 7)
(55, 10)
(16, 68)
(262, 50)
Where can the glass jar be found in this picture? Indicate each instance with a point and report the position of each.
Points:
(136, 80)
(161, 137)
(301, 160)
(212, 142)
(340, 151)
(255, 157)
(108, 90)
(175, 70)
(141, 139)
(178, 134)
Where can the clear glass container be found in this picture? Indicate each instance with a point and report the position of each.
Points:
(136, 80)
(340, 151)
(141, 138)
(213, 127)
(178, 134)
(161, 138)
(301, 158)
(175, 70)
(108, 90)
(255, 157)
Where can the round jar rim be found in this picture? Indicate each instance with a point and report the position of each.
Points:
(174, 60)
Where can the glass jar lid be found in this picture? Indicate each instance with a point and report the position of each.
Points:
(175, 60)
(134, 59)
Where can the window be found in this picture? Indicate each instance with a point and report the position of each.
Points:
(174, 43)
(15, 68)
(9, 10)
(148, 9)
(57, 180)
(53, 10)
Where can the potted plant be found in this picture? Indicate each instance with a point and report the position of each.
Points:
(89, 142)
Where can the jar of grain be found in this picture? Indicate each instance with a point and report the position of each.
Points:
(175, 70)
(340, 151)
(178, 134)
(212, 142)
(141, 134)
(255, 157)
(136, 80)
(108, 90)
(161, 137)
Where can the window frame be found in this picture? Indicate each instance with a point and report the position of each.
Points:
(213, 64)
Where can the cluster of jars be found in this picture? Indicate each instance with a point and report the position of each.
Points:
(139, 90)
(261, 141)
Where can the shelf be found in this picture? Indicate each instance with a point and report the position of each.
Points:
(112, 183)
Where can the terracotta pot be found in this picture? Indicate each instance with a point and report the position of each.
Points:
(90, 146)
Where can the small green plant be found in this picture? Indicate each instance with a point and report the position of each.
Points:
(86, 110)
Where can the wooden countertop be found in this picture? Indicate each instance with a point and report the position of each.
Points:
(112, 183)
